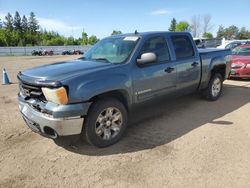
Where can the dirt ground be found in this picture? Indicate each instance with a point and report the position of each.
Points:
(185, 142)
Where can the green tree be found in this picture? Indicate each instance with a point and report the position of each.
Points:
(32, 35)
(24, 24)
(22, 31)
(78, 41)
(8, 22)
(243, 34)
(57, 41)
(173, 25)
(93, 39)
(17, 23)
(208, 35)
(231, 32)
(183, 26)
(220, 32)
(33, 23)
(11, 38)
(84, 38)
(70, 41)
(2, 38)
(116, 32)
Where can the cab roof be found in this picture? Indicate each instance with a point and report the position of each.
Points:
(143, 34)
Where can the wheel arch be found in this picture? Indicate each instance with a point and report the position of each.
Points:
(218, 65)
(120, 95)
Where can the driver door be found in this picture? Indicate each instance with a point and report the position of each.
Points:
(157, 78)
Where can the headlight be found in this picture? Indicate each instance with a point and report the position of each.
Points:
(233, 65)
(248, 65)
(237, 65)
(58, 95)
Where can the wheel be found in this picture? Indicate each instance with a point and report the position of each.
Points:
(214, 88)
(105, 122)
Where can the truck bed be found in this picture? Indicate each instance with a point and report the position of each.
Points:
(208, 50)
(209, 57)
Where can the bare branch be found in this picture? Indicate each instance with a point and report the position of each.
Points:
(195, 25)
(207, 23)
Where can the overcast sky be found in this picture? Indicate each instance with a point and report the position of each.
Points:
(103, 16)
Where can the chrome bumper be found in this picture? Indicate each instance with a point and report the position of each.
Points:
(49, 126)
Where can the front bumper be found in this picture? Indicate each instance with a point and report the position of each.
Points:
(240, 73)
(48, 125)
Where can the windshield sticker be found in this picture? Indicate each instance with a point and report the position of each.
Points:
(131, 38)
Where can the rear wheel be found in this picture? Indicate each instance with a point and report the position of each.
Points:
(105, 122)
(214, 88)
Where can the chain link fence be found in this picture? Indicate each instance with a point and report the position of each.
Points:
(19, 51)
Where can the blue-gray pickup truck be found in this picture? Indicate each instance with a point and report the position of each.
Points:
(93, 95)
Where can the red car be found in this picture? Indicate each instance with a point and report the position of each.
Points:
(240, 67)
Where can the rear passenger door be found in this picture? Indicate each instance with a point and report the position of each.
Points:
(187, 63)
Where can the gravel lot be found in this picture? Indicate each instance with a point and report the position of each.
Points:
(186, 142)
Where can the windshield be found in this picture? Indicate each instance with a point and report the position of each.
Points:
(241, 51)
(112, 50)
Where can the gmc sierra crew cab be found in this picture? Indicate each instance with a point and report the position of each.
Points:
(92, 95)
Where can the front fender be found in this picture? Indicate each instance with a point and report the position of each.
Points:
(93, 87)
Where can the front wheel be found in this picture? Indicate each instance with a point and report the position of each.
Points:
(105, 122)
(214, 88)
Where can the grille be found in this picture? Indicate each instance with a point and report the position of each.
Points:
(31, 91)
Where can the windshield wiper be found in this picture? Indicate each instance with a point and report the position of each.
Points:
(102, 59)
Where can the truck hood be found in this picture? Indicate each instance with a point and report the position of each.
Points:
(62, 71)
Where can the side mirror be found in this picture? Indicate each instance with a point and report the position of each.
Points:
(146, 58)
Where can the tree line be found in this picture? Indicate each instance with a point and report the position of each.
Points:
(201, 26)
(22, 31)
(26, 31)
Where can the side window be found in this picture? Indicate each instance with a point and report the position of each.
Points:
(157, 45)
(182, 46)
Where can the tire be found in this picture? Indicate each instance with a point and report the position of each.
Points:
(105, 123)
(214, 88)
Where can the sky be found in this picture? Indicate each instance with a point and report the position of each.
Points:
(101, 17)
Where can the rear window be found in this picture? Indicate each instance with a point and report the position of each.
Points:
(183, 46)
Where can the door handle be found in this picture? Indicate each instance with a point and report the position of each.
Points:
(169, 69)
(195, 64)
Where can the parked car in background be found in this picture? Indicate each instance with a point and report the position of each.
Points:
(240, 67)
(234, 44)
(73, 52)
(77, 52)
(212, 43)
(42, 52)
(93, 95)
(48, 52)
(66, 52)
(37, 52)
(200, 42)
